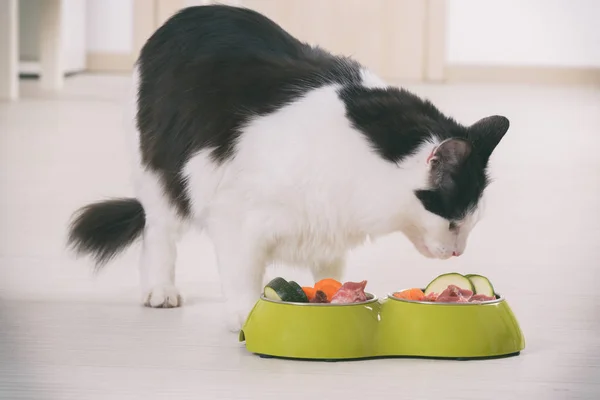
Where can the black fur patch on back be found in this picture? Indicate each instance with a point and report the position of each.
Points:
(206, 72)
(395, 121)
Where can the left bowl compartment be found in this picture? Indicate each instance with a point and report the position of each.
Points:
(312, 331)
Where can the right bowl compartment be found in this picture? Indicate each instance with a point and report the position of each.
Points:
(448, 330)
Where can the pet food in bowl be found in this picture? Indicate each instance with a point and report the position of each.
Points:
(452, 288)
(328, 321)
(326, 291)
(455, 316)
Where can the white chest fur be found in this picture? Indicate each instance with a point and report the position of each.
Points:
(304, 185)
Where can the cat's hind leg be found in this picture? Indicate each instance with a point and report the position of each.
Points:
(159, 248)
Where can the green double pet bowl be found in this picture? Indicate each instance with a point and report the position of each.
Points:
(388, 328)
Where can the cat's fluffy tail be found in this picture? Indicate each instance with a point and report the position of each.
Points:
(106, 228)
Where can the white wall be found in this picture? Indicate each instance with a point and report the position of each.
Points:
(73, 35)
(479, 32)
(524, 32)
(110, 26)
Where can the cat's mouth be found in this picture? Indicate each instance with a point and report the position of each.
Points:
(426, 251)
(423, 249)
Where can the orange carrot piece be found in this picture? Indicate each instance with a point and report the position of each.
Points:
(417, 294)
(309, 292)
(328, 282)
(328, 286)
(329, 290)
(410, 294)
(402, 295)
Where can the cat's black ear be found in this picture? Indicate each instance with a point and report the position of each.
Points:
(446, 159)
(452, 152)
(486, 133)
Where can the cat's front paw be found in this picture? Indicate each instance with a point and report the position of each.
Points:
(163, 296)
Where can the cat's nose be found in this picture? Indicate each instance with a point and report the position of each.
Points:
(455, 254)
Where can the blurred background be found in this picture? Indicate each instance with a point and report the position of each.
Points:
(66, 332)
(531, 41)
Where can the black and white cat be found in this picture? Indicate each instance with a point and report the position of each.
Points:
(281, 152)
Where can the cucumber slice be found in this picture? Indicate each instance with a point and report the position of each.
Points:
(271, 294)
(481, 284)
(280, 290)
(441, 283)
(300, 295)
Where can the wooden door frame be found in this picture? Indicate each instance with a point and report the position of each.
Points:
(146, 17)
(9, 50)
(434, 62)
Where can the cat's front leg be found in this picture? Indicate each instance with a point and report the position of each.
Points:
(241, 265)
(329, 269)
(242, 277)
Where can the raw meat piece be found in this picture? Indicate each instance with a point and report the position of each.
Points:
(480, 297)
(431, 297)
(454, 294)
(350, 292)
(320, 297)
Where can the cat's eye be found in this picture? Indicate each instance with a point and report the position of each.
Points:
(452, 225)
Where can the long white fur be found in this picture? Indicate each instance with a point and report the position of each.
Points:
(303, 188)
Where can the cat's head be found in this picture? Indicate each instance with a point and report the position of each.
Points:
(447, 207)
(449, 179)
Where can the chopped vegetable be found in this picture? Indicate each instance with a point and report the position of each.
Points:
(442, 282)
(325, 291)
(300, 295)
(309, 292)
(329, 290)
(328, 281)
(481, 285)
(280, 290)
(452, 288)
(328, 286)
(411, 294)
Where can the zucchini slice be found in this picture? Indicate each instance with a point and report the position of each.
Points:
(441, 283)
(300, 295)
(280, 290)
(482, 285)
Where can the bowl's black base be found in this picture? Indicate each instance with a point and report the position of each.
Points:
(387, 357)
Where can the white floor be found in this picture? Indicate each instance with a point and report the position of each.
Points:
(68, 334)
